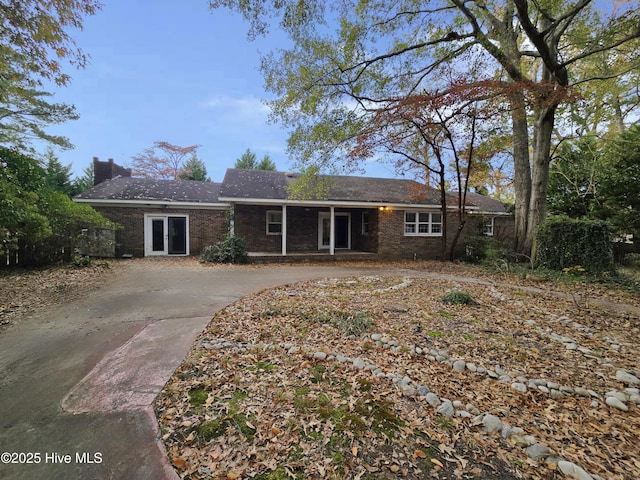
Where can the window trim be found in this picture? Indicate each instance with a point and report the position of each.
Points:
(418, 222)
(366, 218)
(270, 222)
(488, 226)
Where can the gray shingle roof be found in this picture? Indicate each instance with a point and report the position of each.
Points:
(485, 204)
(269, 185)
(128, 189)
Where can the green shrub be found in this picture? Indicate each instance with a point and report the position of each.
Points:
(481, 248)
(229, 250)
(457, 297)
(632, 260)
(81, 261)
(564, 243)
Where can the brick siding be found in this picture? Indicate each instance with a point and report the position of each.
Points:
(393, 244)
(205, 227)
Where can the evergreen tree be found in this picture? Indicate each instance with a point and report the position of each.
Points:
(249, 161)
(194, 169)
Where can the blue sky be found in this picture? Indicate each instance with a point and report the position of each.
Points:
(176, 72)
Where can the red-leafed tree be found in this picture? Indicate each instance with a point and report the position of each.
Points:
(163, 161)
(427, 133)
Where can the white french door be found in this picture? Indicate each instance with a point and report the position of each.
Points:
(166, 235)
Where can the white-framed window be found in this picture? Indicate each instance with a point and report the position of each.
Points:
(423, 224)
(365, 223)
(487, 226)
(274, 222)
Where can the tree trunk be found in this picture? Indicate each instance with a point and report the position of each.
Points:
(522, 174)
(456, 238)
(443, 203)
(540, 173)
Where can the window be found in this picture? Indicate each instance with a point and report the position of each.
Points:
(422, 223)
(365, 223)
(487, 226)
(274, 222)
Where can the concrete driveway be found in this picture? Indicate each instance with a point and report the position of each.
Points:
(77, 383)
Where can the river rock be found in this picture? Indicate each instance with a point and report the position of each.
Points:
(432, 399)
(491, 423)
(538, 451)
(626, 377)
(574, 471)
(459, 365)
(615, 403)
(447, 409)
(519, 387)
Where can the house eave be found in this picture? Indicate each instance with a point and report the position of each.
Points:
(328, 203)
(493, 214)
(151, 203)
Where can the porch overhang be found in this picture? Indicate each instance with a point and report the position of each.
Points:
(325, 203)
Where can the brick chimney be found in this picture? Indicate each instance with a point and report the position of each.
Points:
(107, 170)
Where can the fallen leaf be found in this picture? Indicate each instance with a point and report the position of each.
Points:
(437, 462)
(419, 454)
(179, 463)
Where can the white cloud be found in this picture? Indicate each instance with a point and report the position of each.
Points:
(238, 109)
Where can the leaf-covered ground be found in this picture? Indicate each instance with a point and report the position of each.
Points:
(326, 379)
(25, 292)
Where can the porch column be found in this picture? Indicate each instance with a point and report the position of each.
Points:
(284, 230)
(232, 220)
(332, 229)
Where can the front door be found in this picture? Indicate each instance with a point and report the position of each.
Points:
(342, 234)
(166, 235)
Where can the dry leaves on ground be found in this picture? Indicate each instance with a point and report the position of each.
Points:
(29, 291)
(272, 389)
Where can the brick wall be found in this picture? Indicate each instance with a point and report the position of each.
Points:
(393, 244)
(205, 227)
(251, 226)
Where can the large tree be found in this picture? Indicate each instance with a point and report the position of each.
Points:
(429, 135)
(163, 161)
(350, 57)
(249, 161)
(574, 178)
(619, 191)
(194, 169)
(35, 44)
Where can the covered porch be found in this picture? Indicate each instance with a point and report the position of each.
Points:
(306, 230)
